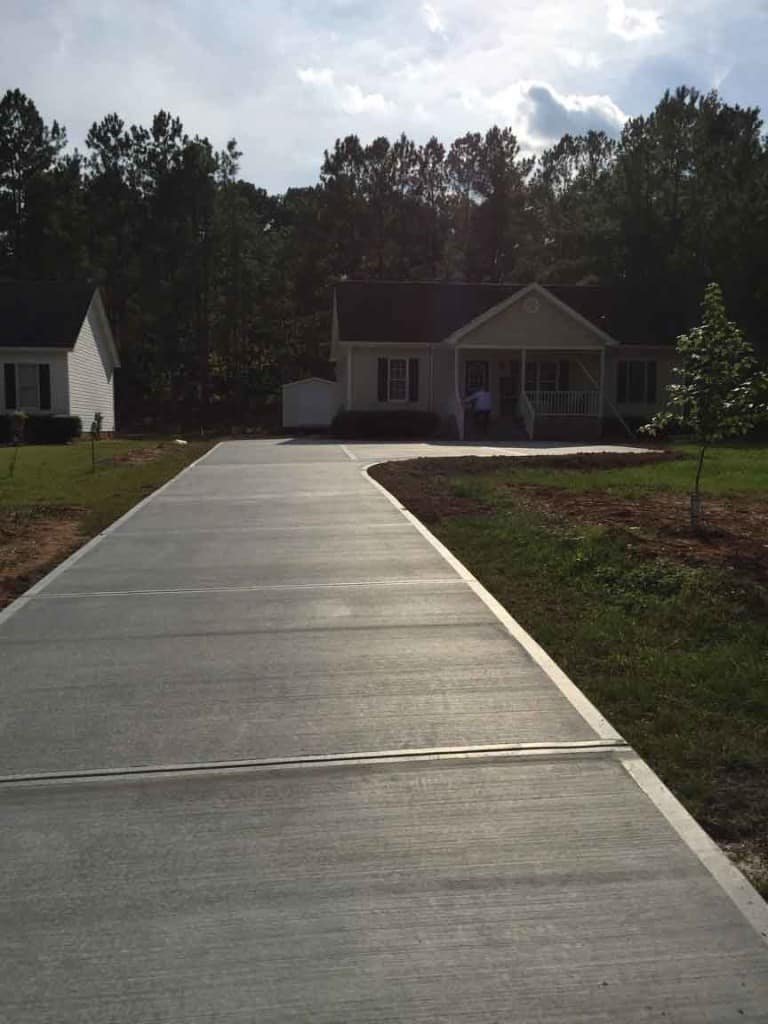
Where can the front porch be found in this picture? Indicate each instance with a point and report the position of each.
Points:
(541, 394)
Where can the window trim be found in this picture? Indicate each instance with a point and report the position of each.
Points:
(405, 379)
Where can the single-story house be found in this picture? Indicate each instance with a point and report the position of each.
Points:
(58, 353)
(558, 360)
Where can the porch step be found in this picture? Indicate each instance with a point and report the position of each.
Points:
(508, 428)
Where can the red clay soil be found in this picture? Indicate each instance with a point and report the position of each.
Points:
(138, 456)
(33, 541)
(735, 534)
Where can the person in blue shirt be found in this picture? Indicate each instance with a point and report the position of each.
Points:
(482, 405)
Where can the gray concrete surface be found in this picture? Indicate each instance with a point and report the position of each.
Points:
(271, 604)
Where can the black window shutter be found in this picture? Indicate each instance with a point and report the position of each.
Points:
(621, 392)
(650, 382)
(565, 369)
(383, 379)
(413, 380)
(10, 386)
(44, 372)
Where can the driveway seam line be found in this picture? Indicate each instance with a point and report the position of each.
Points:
(246, 589)
(556, 748)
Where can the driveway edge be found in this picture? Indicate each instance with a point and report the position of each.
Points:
(737, 887)
(20, 601)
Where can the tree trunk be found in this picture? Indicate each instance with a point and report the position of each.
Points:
(696, 495)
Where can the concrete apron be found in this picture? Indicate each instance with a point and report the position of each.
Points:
(270, 753)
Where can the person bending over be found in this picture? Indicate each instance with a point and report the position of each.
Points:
(481, 404)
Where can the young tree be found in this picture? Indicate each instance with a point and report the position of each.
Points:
(720, 393)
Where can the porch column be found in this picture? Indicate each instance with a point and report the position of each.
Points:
(522, 372)
(349, 377)
(602, 382)
(457, 394)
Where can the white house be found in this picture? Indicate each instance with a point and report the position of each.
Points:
(557, 360)
(58, 353)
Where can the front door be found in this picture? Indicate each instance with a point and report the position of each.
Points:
(475, 376)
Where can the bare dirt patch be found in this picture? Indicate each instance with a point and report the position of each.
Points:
(735, 535)
(139, 456)
(32, 541)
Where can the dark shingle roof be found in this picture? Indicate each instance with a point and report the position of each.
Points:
(431, 311)
(42, 314)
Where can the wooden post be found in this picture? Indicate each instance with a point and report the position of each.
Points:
(522, 371)
(602, 382)
(349, 377)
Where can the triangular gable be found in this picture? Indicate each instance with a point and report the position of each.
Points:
(97, 304)
(537, 291)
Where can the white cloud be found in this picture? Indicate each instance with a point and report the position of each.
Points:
(315, 76)
(432, 19)
(347, 97)
(632, 23)
(550, 114)
(288, 79)
(540, 114)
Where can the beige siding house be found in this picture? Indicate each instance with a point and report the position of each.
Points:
(557, 360)
(58, 353)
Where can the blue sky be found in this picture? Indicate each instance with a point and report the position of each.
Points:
(287, 78)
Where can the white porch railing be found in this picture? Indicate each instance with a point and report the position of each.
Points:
(528, 413)
(564, 403)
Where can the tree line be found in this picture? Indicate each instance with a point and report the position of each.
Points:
(219, 290)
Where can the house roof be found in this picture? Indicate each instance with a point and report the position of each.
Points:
(42, 314)
(390, 311)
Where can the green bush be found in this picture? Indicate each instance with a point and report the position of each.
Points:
(385, 423)
(42, 429)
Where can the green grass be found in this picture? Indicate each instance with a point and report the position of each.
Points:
(737, 469)
(675, 655)
(61, 475)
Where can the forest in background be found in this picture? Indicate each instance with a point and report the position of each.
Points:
(219, 291)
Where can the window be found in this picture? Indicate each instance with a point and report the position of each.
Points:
(398, 380)
(637, 381)
(28, 386)
(475, 376)
(546, 375)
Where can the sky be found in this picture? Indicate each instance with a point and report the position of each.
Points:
(288, 78)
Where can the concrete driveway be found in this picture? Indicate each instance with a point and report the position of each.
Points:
(269, 753)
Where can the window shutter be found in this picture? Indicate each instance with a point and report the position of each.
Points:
(621, 391)
(44, 372)
(565, 370)
(10, 386)
(650, 382)
(383, 379)
(413, 380)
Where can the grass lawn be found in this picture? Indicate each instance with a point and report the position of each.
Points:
(666, 632)
(54, 500)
